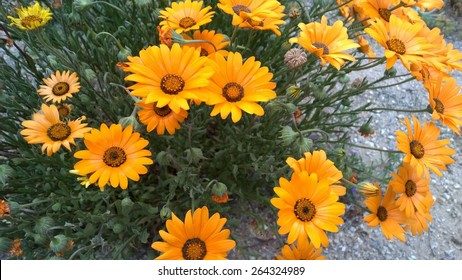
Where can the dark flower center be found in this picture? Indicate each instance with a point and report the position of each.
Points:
(304, 210)
(396, 45)
(60, 88)
(194, 249)
(417, 149)
(319, 45)
(114, 157)
(411, 188)
(233, 92)
(162, 111)
(439, 106)
(58, 131)
(240, 8)
(382, 213)
(172, 84)
(385, 14)
(187, 22)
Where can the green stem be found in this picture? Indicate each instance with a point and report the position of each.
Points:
(371, 148)
(396, 110)
(119, 45)
(109, 4)
(233, 36)
(392, 85)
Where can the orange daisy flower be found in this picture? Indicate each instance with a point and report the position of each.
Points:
(386, 214)
(400, 40)
(318, 164)
(169, 76)
(246, 10)
(215, 42)
(236, 86)
(160, 118)
(301, 251)
(113, 155)
(423, 149)
(199, 237)
(414, 189)
(46, 128)
(327, 42)
(307, 208)
(446, 101)
(59, 86)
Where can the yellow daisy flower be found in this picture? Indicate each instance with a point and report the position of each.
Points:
(169, 76)
(199, 237)
(186, 15)
(421, 220)
(318, 163)
(307, 208)
(59, 86)
(238, 85)
(266, 23)
(32, 17)
(160, 118)
(327, 42)
(423, 149)
(113, 155)
(246, 10)
(446, 102)
(46, 128)
(386, 214)
(400, 40)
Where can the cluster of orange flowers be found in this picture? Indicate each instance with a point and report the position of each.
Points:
(398, 28)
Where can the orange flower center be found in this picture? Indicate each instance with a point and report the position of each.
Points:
(417, 149)
(114, 157)
(411, 188)
(187, 22)
(233, 92)
(64, 110)
(304, 210)
(58, 131)
(240, 8)
(171, 84)
(319, 45)
(385, 14)
(194, 249)
(382, 213)
(439, 106)
(162, 111)
(60, 88)
(30, 20)
(396, 45)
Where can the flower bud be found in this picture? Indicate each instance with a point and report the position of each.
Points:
(219, 189)
(368, 189)
(295, 57)
(288, 135)
(130, 120)
(124, 53)
(80, 5)
(165, 212)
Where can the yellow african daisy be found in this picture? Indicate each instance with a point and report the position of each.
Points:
(301, 251)
(237, 85)
(169, 76)
(186, 15)
(421, 220)
(113, 155)
(327, 42)
(446, 101)
(318, 163)
(31, 17)
(59, 86)
(46, 128)
(266, 22)
(199, 237)
(215, 42)
(160, 118)
(423, 149)
(413, 188)
(307, 208)
(400, 40)
(245, 10)
(386, 214)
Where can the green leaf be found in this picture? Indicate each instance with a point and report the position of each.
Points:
(5, 172)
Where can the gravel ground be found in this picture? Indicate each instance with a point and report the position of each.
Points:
(355, 239)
